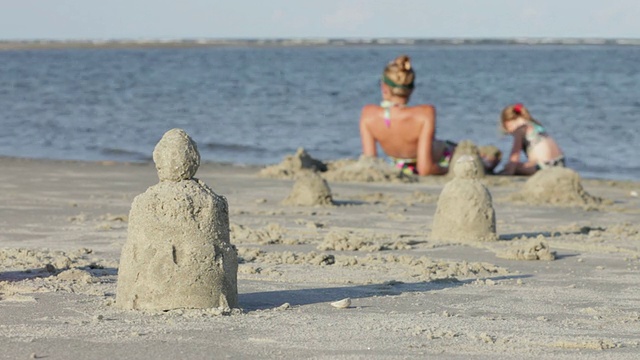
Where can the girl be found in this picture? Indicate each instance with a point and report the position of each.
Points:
(531, 137)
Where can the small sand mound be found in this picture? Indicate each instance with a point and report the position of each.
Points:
(537, 250)
(465, 209)
(293, 165)
(21, 259)
(309, 190)
(367, 169)
(345, 241)
(78, 275)
(467, 148)
(556, 186)
(273, 233)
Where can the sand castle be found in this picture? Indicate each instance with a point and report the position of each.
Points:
(465, 209)
(177, 253)
(556, 186)
(292, 165)
(310, 189)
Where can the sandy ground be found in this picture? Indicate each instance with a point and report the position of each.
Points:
(63, 224)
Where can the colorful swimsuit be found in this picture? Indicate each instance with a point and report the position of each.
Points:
(534, 138)
(410, 166)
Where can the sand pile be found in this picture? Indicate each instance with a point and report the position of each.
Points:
(310, 189)
(51, 261)
(465, 209)
(410, 267)
(24, 271)
(271, 234)
(535, 250)
(342, 240)
(367, 169)
(556, 186)
(177, 253)
(469, 149)
(293, 165)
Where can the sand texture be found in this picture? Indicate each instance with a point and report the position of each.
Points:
(360, 279)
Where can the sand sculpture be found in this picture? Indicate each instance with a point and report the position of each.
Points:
(465, 210)
(292, 165)
(177, 253)
(469, 149)
(310, 189)
(556, 186)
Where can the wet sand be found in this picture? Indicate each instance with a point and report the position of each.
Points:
(63, 224)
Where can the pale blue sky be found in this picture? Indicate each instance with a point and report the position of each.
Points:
(157, 19)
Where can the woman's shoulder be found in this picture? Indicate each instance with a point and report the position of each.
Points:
(370, 110)
(426, 110)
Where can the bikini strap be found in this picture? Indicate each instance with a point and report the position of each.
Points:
(386, 106)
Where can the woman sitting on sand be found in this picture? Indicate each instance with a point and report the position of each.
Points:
(405, 133)
(531, 137)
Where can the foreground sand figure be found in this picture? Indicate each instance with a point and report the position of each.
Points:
(465, 209)
(177, 253)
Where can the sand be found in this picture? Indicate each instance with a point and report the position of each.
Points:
(561, 281)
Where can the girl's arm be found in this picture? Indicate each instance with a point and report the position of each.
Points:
(426, 166)
(516, 148)
(368, 141)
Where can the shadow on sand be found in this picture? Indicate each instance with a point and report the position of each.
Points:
(29, 274)
(271, 299)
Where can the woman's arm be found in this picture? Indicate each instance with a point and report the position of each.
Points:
(368, 141)
(516, 148)
(426, 166)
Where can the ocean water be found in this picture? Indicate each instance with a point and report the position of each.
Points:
(255, 105)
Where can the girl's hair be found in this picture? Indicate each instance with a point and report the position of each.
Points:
(399, 76)
(513, 112)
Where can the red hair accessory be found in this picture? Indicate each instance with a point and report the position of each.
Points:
(517, 108)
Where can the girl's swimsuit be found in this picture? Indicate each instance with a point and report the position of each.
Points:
(535, 137)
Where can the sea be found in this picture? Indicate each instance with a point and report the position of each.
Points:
(254, 105)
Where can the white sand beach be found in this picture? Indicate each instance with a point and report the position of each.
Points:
(561, 281)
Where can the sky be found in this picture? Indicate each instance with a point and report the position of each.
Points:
(265, 19)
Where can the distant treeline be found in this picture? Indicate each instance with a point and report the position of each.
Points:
(124, 43)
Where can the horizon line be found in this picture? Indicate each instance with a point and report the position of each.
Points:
(10, 44)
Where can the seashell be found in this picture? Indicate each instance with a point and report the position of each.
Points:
(341, 304)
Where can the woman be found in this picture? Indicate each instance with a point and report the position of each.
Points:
(405, 133)
(531, 137)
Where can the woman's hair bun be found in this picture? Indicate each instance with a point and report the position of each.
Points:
(404, 62)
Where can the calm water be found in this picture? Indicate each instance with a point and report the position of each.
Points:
(256, 105)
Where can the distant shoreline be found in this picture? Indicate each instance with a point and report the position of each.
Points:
(189, 43)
